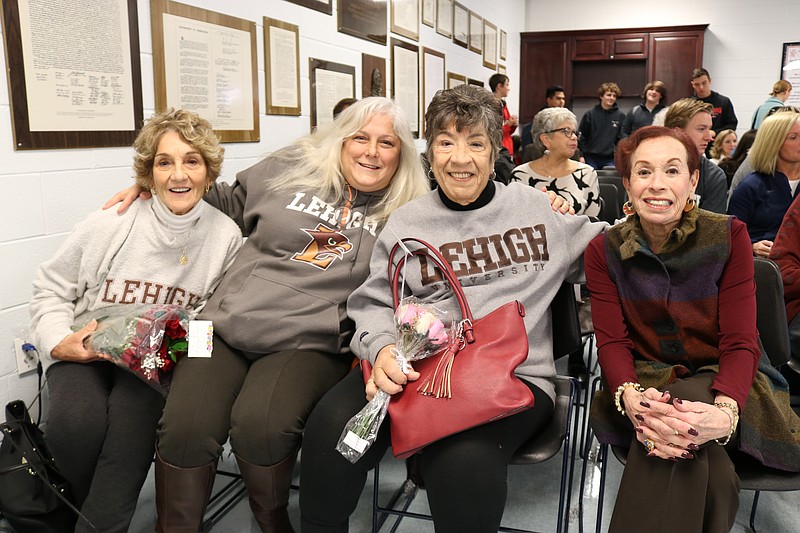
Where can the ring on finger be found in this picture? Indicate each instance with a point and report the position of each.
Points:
(649, 445)
(677, 432)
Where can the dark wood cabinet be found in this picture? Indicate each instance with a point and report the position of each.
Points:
(582, 60)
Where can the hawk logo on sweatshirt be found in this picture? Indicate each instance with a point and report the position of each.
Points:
(325, 247)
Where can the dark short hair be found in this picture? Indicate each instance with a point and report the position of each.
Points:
(700, 72)
(627, 146)
(658, 86)
(553, 89)
(343, 104)
(609, 86)
(497, 79)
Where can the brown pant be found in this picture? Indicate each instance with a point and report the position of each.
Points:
(691, 495)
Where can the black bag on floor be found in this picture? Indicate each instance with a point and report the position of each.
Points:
(34, 496)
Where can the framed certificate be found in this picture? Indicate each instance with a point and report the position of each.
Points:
(489, 45)
(444, 18)
(790, 70)
(330, 82)
(363, 18)
(405, 18)
(432, 76)
(72, 84)
(282, 67)
(323, 6)
(475, 32)
(429, 12)
(405, 80)
(460, 25)
(454, 80)
(476, 83)
(503, 44)
(206, 62)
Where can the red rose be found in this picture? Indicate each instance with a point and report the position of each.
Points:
(173, 329)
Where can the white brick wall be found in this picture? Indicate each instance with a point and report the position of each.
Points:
(45, 192)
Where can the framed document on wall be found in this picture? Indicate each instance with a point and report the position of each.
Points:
(790, 71)
(74, 81)
(323, 6)
(282, 66)
(363, 18)
(429, 12)
(330, 82)
(489, 45)
(405, 80)
(475, 32)
(476, 83)
(207, 62)
(454, 80)
(503, 44)
(405, 18)
(432, 77)
(460, 25)
(373, 76)
(444, 18)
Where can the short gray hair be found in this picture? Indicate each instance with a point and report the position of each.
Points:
(547, 120)
(464, 106)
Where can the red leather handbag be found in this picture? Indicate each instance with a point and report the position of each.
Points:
(482, 385)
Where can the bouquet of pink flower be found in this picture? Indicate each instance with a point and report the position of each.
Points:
(148, 340)
(421, 332)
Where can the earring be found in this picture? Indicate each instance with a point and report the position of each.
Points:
(628, 208)
(546, 151)
(689, 205)
(430, 175)
(493, 176)
(208, 187)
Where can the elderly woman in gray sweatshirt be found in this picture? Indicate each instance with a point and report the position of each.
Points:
(528, 250)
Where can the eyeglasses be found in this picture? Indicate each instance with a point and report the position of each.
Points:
(568, 132)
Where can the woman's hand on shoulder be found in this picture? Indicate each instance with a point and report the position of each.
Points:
(127, 196)
(387, 375)
(72, 348)
(558, 204)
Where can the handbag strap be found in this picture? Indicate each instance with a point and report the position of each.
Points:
(429, 252)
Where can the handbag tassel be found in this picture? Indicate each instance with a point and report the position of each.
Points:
(438, 383)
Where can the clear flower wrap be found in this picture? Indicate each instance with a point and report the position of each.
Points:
(421, 332)
(148, 340)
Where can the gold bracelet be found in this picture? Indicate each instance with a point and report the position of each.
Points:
(733, 416)
(622, 388)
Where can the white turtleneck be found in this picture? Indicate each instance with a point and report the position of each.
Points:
(178, 224)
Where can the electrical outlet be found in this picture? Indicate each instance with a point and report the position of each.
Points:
(26, 360)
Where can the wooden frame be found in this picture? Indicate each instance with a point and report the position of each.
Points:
(364, 19)
(503, 44)
(489, 45)
(476, 83)
(232, 109)
(501, 69)
(444, 18)
(791, 54)
(460, 25)
(370, 78)
(405, 18)
(429, 13)
(323, 6)
(433, 77)
(475, 32)
(454, 80)
(405, 83)
(89, 130)
(330, 85)
(282, 69)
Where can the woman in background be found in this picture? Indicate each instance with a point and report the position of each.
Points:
(724, 146)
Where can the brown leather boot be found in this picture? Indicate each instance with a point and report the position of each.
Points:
(182, 495)
(268, 488)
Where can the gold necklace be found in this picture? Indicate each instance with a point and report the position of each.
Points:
(184, 260)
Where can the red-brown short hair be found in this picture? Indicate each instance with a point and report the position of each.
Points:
(627, 146)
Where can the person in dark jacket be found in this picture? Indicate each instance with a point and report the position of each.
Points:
(723, 117)
(653, 97)
(601, 128)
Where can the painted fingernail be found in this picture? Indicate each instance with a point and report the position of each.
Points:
(687, 455)
(640, 418)
(693, 432)
(639, 430)
(693, 446)
(651, 454)
(664, 393)
(644, 404)
(678, 401)
(673, 459)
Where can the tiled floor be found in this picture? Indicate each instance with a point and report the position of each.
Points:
(532, 502)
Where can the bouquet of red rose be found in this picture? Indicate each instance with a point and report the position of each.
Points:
(421, 333)
(148, 340)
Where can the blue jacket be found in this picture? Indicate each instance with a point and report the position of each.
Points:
(760, 201)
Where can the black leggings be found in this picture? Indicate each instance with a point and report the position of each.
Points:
(465, 474)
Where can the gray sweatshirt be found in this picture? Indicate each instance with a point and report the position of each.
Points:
(513, 248)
